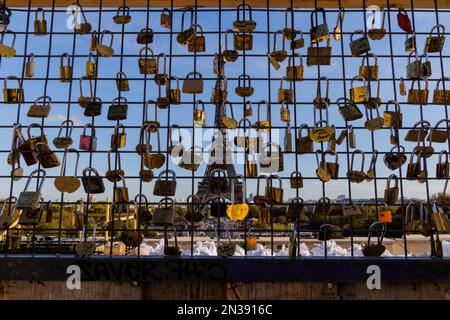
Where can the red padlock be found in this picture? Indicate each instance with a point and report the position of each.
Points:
(88, 143)
(28, 147)
(403, 21)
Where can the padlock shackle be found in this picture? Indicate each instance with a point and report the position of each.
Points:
(193, 203)
(298, 200)
(362, 159)
(170, 81)
(88, 126)
(44, 98)
(319, 88)
(64, 162)
(36, 172)
(245, 124)
(35, 125)
(118, 160)
(146, 49)
(226, 37)
(12, 201)
(366, 58)
(382, 20)
(314, 17)
(258, 179)
(359, 78)
(301, 127)
(395, 103)
(41, 10)
(67, 56)
(184, 10)
(288, 10)
(277, 177)
(275, 40)
(163, 55)
(331, 152)
(389, 179)
(121, 75)
(90, 86)
(359, 31)
(180, 138)
(244, 6)
(378, 228)
(340, 18)
(167, 173)
(244, 77)
(112, 210)
(409, 212)
(13, 40)
(12, 78)
(106, 32)
(438, 28)
(124, 9)
(195, 74)
(291, 61)
(233, 190)
(83, 205)
(442, 153)
(418, 81)
(259, 109)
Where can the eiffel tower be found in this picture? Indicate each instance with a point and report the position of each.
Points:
(221, 151)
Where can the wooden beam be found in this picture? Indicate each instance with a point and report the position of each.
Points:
(234, 3)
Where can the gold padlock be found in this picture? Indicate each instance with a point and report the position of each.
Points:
(441, 96)
(278, 55)
(393, 118)
(246, 89)
(319, 55)
(359, 46)
(118, 139)
(91, 66)
(435, 43)
(285, 113)
(228, 54)
(5, 50)
(285, 94)
(356, 176)
(263, 125)
(367, 71)
(319, 32)
(374, 102)
(420, 95)
(289, 33)
(13, 95)
(122, 15)
(198, 43)
(359, 94)
(174, 94)
(199, 114)
(161, 76)
(105, 50)
(147, 63)
(40, 25)
(295, 72)
(186, 35)
(30, 66)
(414, 68)
(122, 81)
(65, 71)
(246, 26)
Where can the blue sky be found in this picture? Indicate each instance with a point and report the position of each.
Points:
(256, 67)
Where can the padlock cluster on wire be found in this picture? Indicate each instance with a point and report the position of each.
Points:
(35, 149)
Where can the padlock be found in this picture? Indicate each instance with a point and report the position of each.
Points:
(319, 55)
(243, 25)
(373, 123)
(92, 181)
(374, 102)
(64, 183)
(285, 113)
(395, 159)
(147, 62)
(242, 41)
(284, 94)
(426, 66)
(91, 67)
(88, 142)
(219, 94)
(402, 87)
(47, 158)
(8, 219)
(393, 118)
(83, 27)
(319, 32)
(356, 176)
(13, 95)
(229, 55)
(219, 206)
(93, 107)
(40, 108)
(370, 174)
(248, 110)
(164, 216)
(391, 193)
(337, 31)
(322, 131)
(31, 216)
(175, 149)
(439, 135)
(263, 125)
(294, 72)
(122, 81)
(186, 35)
(118, 110)
(331, 167)
(30, 199)
(165, 19)
(87, 246)
(367, 71)
(322, 170)
(166, 187)
(271, 161)
(150, 125)
(377, 33)
(5, 14)
(105, 50)
(251, 166)
(226, 121)
(419, 95)
(304, 144)
(64, 142)
(130, 236)
(145, 36)
(65, 70)
(289, 33)
(193, 85)
(171, 251)
(411, 43)
(114, 223)
(30, 66)
(274, 194)
(439, 218)
(118, 139)
(244, 140)
(162, 102)
(122, 15)
(143, 214)
(278, 55)
(319, 101)
(351, 137)
(403, 21)
(82, 99)
(348, 109)
(199, 114)
(155, 160)
(441, 96)
(377, 229)
(394, 138)
(5, 50)
(414, 68)
(287, 138)
(116, 174)
(161, 77)
(174, 94)
(322, 207)
(443, 167)
(218, 181)
(40, 25)
(435, 43)
(414, 167)
(190, 160)
(246, 89)
(359, 94)
(121, 193)
(361, 45)
(198, 43)
(418, 132)
(296, 180)
(259, 198)
(325, 232)
(28, 148)
(297, 43)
